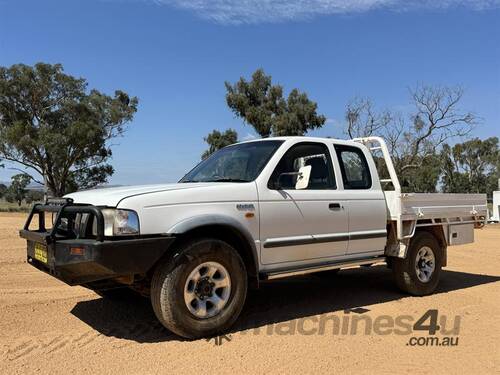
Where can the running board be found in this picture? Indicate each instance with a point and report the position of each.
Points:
(322, 267)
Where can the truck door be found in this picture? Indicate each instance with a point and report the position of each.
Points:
(299, 225)
(367, 207)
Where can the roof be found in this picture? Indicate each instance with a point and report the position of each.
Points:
(305, 138)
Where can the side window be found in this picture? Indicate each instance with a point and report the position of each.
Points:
(355, 171)
(300, 155)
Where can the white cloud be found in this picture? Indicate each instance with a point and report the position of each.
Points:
(248, 137)
(258, 11)
(336, 123)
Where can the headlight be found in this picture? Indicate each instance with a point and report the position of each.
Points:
(120, 222)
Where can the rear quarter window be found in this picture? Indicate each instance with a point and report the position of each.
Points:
(354, 167)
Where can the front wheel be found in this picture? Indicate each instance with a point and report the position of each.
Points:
(202, 291)
(418, 273)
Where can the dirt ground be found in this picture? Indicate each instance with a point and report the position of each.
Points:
(286, 326)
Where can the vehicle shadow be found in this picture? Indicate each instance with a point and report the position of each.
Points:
(277, 301)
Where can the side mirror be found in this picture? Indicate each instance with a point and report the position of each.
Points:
(300, 179)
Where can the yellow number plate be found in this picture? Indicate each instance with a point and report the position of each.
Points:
(41, 252)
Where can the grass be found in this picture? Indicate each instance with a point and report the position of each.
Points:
(14, 207)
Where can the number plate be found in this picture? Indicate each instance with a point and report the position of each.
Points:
(41, 252)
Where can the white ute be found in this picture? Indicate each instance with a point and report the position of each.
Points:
(252, 211)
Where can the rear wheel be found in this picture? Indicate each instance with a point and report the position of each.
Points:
(418, 274)
(202, 291)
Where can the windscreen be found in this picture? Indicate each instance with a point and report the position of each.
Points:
(237, 163)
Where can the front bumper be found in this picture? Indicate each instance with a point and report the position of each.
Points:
(80, 260)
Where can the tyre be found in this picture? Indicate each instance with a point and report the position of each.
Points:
(418, 274)
(202, 291)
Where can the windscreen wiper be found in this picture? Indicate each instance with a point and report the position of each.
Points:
(228, 180)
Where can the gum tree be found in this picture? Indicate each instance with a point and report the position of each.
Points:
(263, 106)
(56, 130)
(217, 140)
(415, 141)
(17, 191)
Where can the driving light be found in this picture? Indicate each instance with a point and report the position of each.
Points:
(120, 222)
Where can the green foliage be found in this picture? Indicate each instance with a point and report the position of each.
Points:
(262, 105)
(425, 178)
(16, 192)
(3, 190)
(34, 196)
(52, 125)
(417, 180)
(471, 167)
(217, 140)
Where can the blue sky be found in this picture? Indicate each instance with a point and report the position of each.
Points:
(175, 56)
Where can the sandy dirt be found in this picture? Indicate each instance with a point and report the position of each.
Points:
(286, 326)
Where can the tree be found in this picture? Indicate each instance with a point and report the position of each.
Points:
(262, 105)
(34, 196)
(425, 178)
(54, 127)
(3, 190)
(362, 119)
(217, 140)
(414, 142)
(16, 192)
(471, 166)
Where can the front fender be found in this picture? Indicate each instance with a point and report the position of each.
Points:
(200, 221)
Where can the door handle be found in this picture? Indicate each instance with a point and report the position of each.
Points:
(334, 206)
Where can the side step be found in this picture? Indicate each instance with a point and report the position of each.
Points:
(277, 274)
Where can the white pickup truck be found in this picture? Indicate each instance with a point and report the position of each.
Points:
(253, 211)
